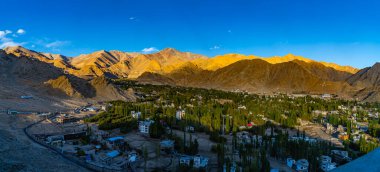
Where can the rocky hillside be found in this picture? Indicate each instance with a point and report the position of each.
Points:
(259, 76)
(25, 72)
(83, 76)
(367, 83)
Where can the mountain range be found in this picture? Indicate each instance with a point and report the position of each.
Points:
(87, 75)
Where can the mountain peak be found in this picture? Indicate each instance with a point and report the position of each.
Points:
(100, 52)
(170, 51)
(15, 48)
(376, 65)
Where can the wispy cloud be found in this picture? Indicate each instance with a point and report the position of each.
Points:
(56, 44)
(215, 47)
(4, 33)
(5, 41)
(149, 50)
(132, 18)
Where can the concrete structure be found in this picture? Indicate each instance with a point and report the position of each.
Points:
(132, 156)
(114, 142)
(343, 136)
(66, 118)
(108, 157)
(340, 156)
(136, 115)
(326, 164)
(198, 161)
(185, 160)
(92, 109)
(180, 114)
(144, 126)
(26, 97)
(167, 144)
(190, 129)
(326, 96)
(302, 165)
(55, 138)
(290, 162)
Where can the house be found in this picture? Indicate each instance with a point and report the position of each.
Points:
(326, 164)
(244, 137)
(250, 125)
(290, 162)
(200, 161)
(340, 156)
(144, 126)
(190, 129)
(136, 115)
(185, 160)
(326, 96)
(26, 97)
(132, 156)
(343, 136)
(329, 128)
(56, 138)
(66, 118)
(92, 109)
(167, 144)
(196, 161)
(114, 142)
(99, 135)
(355, 138)
(341, 129)
(12, 112)
(103, 107)
(306, 139)
(108, 157)
(363, 128)
(242, 107)
(302, 165)
(180, 114)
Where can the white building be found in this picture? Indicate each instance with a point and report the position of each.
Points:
(144, 126)
(190, 129)
(326, 164)
(136, 115)
(180, 114)
(290, 162)
(200, 161)
(326, 96)
(302, 165)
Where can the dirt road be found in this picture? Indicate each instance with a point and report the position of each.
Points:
(18, 153)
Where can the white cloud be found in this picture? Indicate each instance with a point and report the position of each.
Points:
(56, 44)
(149, 50)
(21, 31)
(5, 41)
(215, 47)
(9, 44)
(4, 33)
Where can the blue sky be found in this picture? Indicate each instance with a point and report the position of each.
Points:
(345, 32)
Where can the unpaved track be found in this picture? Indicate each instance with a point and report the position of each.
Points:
(19, 153)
